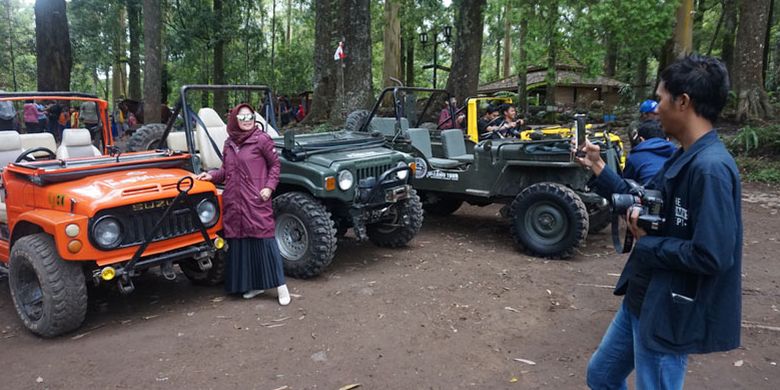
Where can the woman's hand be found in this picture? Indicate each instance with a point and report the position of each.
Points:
(265, 194)
(204, 176)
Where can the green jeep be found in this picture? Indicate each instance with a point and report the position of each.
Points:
(330, 182)
(546, 195)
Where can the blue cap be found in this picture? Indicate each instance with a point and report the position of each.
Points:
(648, 106)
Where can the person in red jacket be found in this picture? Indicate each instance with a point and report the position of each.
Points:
(250, 173)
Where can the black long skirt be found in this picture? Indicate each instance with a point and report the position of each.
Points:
(253, 264)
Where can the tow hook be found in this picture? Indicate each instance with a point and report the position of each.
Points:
(167, 270)
(125, 284)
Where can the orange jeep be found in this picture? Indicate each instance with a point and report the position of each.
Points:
(86, 213)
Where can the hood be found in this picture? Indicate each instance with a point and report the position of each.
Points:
(328, 159)
(109, 190)
(656, 146)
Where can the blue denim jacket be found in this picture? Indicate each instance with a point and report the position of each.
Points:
(693, 302)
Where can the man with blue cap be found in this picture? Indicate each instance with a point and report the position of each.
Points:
(647, 112)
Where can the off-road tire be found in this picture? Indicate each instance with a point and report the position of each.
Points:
(147, 137)
(440, 204)
(211, 277)
(36, 269)
(305, 233)
(356, 119)
(405, 223)
(430, 126)
(549, 220)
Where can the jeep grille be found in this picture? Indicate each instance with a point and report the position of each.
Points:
(139, 219)
(374, 171)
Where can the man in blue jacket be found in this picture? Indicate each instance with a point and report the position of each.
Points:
(682, 285)
(647, 157)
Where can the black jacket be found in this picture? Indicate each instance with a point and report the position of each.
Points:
(694, 299)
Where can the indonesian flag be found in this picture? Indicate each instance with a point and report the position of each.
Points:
(339, 54)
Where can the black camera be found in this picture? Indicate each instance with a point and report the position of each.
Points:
(650, 204)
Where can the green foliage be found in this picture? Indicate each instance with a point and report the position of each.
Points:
(756, 141)
(18, 32)
(759, 169)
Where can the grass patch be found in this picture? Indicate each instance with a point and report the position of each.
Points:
(759, 169)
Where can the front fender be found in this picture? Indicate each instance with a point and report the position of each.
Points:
(52, 222)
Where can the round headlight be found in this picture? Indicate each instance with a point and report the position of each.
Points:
(207, 212)
(107, 232)
(404, 173)
(346, 180)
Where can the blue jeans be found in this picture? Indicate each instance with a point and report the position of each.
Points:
(621, 351)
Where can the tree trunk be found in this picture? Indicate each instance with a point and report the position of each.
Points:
(464, 75)
(610, 58)
(552, 28)
(522, 64)
(498, 63)
(118, 75)
(152, 13)
(392, 42)
(410, 61)
(770, 22)
(52, 45)
(357, 91)
(729, 34)
(11, 51)
(507, 39)
(683, 30)
(134, 24)
(273, 42)
(220, 101)
(289, 18)
(326, 37)
(752, 100)
(640, 79)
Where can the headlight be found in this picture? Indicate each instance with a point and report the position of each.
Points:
(402, 174)
(107, 232)
(207, 212)
(346, 180)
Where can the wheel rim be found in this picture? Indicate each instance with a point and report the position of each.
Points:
(151, 143)
(29, 292)
(389, 222)
(292, 237)
(546, 223)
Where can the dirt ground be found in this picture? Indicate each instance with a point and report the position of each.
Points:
(454, 310)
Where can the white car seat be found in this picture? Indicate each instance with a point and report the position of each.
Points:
(77, 143)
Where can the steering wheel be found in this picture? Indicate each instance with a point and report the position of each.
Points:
(27, 154)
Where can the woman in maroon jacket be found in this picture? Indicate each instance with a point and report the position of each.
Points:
(250, 173)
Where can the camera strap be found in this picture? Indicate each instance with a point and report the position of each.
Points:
(628, 241)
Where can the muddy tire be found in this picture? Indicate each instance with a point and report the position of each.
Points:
(403, 222)
(440, 205)
(305, 233)
(356, 120)
(147, 137)
(549, 220)
(211, 277)
(49, 293)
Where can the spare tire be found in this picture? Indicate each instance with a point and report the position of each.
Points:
(356, 120)
(147, 137)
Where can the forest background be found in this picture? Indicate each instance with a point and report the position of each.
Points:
(147, 49)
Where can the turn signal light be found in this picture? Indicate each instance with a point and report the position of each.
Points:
(413, 166)
(107, 273)
(74, 246)
(330, 183)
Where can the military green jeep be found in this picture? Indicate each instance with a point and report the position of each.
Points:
(329, 183)
(546, 195)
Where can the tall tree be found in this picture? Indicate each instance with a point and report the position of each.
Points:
(152, 12)
(552, 51)
(752, 100)
(52, 43)
(469, 24)
(392, 42)
(507, 40)
(220, 101)
(118, 74)
(729, 34)
(683, 29)
(522, 64)
(134, 29)
(356, 89)
(326, 37)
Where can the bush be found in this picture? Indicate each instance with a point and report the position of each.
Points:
(756, 141)
(759, 169)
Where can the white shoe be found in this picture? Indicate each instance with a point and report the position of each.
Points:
(252, 293)
(284, 295)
